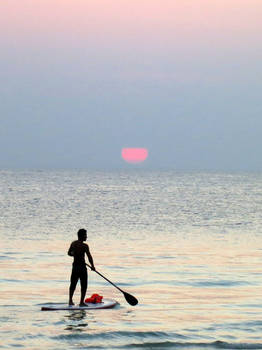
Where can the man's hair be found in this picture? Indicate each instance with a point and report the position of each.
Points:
(81, 233)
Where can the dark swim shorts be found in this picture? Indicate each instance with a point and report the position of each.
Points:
(79, 272)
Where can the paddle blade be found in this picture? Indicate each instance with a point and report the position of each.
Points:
(130, 299)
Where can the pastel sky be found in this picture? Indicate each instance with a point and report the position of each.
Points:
(83, 79)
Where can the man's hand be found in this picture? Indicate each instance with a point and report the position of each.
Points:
(93, 268)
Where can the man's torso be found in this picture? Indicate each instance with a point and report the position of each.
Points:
(79, 249)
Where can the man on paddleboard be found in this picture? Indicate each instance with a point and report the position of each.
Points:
(78, 249)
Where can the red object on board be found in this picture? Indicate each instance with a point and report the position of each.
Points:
(95, 299)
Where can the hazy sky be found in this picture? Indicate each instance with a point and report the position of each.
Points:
(81, 79)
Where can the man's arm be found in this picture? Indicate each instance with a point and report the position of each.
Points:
(90, 258)
(70, 250)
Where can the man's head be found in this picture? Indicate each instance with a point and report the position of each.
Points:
(82, 235)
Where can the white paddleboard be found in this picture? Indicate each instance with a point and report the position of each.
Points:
(106, 304)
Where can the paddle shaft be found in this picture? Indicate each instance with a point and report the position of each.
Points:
(129, 298)
(100, 274)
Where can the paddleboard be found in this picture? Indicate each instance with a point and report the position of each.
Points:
(106, 304)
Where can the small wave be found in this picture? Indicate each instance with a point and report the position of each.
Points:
(152, 340)
(178, 345)
(9, 280)
(222, 283)
(5, 257)
(124, 334)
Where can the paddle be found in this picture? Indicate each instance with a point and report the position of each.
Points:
(129, 298)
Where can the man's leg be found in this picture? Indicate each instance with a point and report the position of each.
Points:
(83, 281)
(74, 280)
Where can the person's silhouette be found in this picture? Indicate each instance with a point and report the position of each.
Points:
(78, 249)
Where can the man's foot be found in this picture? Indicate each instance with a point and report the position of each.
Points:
(83, 304)
(71, 303)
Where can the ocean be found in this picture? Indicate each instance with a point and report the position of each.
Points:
(186, 245)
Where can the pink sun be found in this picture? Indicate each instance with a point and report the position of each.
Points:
(134, 155)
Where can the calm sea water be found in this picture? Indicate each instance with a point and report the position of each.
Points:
(187, 245)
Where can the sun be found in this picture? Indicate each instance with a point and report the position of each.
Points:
(134, 155)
